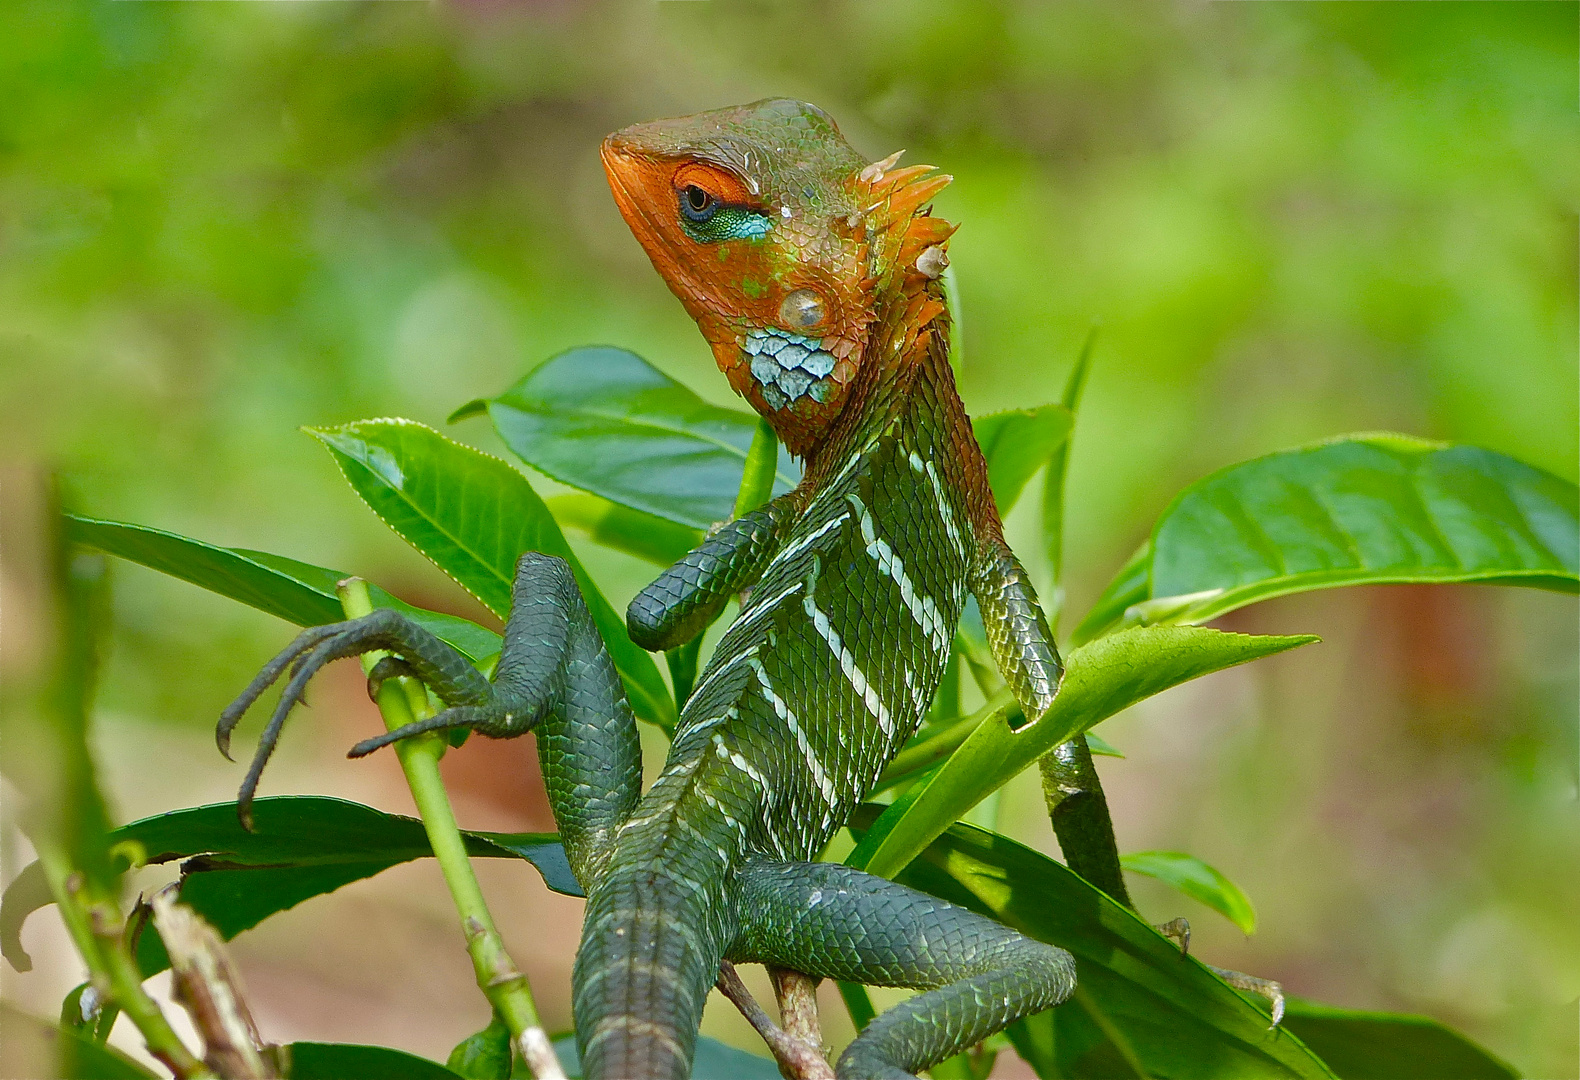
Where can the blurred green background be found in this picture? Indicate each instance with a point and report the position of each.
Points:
(222, 221)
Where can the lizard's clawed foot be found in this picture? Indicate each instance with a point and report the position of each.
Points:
(1176, 930)
(319, 645)
(1272, 991)
(1179, 930)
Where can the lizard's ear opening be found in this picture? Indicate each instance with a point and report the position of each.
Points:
(802, 309)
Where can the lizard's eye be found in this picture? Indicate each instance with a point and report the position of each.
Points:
(697, 204)
(710, 219)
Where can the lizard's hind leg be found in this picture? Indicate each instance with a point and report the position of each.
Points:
(833, 921)
(554, 674)
(449, 673)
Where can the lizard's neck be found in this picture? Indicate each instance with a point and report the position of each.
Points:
(906, 380)
(907, 340)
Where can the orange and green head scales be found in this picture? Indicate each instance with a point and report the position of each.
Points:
(779, 238)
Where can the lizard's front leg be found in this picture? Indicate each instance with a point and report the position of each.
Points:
(554, 676)
(1023, 648)
(837, 922)
(686, 598)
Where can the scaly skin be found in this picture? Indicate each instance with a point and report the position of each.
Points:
(813, 276)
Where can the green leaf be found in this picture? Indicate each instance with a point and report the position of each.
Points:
(1099, 745)
(1053, 479)
(301, 847)
(295, 591)
(344, 1061)
(939, 741)
(542, 850)
(1140, 1007)
(1360, 510)
(1196, 880)
(1129, 586)
(619, 527)
(713, 1061)
(475, 407)
(606, 421)
(226, 571)
(1016, 444)
(473, 516)
(758, 474)
(1390, 1046)
(33, 1047)
(484, 1055)
(1100, 679)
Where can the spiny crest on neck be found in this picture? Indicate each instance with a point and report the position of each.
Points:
(803, 265)
(908, 249)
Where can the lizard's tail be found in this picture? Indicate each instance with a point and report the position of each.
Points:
(651, 947)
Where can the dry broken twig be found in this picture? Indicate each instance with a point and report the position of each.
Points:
(208, 986)
(800, 1055)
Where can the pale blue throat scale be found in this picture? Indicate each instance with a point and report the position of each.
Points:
(787, 365)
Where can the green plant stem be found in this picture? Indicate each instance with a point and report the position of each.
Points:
(97, 929)
(757, 479)
(1054, 479)
(858, 1003)
(400, 702)
(683, 669)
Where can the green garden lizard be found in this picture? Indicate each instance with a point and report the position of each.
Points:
(814, 276)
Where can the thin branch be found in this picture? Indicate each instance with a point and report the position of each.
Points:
(798, 1059)
(797, 996)
(402, 701)
(208, 986)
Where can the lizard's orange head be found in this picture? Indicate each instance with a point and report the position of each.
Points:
(761, 219)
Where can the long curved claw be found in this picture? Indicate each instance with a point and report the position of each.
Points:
(271, 672)
(338, 640)
(331, 647)
(439, 665)
(461, 716)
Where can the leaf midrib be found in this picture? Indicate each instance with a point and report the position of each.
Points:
(149, 530)
(406, 499)
(1271, 588)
